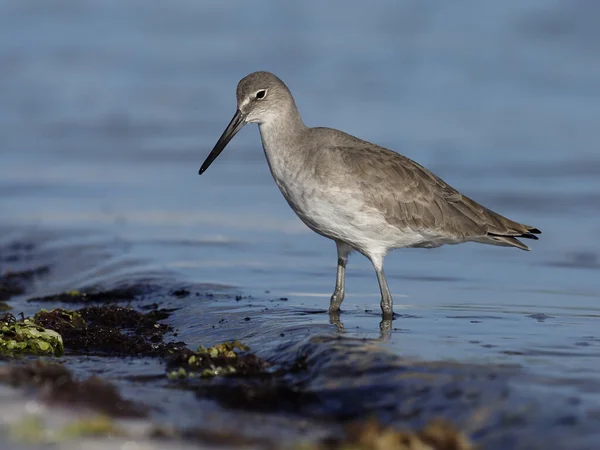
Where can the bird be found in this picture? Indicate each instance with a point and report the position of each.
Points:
(364, 197)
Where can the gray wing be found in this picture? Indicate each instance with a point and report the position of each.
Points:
(410, 196)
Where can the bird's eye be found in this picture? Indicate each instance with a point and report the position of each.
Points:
(261, 94)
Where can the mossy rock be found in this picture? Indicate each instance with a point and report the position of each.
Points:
(221, 359)
(25, 337)
(225, 349)
(59, 318)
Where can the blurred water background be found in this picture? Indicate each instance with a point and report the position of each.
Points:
(107, 110)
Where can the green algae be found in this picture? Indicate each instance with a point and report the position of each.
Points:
(90, 426)
(32, 429)
(226, 358)
(225, 349)
(29, 429)
(26, 337)
(29, 337)
(207, 372)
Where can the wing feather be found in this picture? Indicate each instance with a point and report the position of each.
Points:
(411, 197)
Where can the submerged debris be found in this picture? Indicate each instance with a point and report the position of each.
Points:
(181, 293)
(207, 437)
(26, 337)
(5, 306)
(57, 385)
(437, 435)
(14, 283)
(109, 329)
(120, 295)
(263, 394)
(227, 358)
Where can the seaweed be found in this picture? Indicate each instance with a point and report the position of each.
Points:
(57, 385)
(14, 283)
(26, 337)
(227, 358)
(119, 295)
(111, 329)
(371, 435)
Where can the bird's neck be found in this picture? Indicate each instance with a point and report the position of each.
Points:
(281, 138)
(281, 134)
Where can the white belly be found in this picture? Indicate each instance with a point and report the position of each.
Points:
(344, 217)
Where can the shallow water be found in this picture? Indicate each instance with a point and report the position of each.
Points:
(108, 109)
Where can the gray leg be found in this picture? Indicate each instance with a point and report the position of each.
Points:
(343, 250)
(386, 298)
(385, 329)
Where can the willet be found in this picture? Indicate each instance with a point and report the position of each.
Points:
(363, 196)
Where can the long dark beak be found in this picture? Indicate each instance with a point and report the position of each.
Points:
(234, 126)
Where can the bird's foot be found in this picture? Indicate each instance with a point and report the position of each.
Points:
(334, 319)
(385, 329)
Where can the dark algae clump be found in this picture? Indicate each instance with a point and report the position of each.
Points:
(120, 295)
(111, 329)
(15, 283)
(56, 385)
(228, 358)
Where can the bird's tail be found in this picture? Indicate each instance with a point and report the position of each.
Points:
(510, 240)
(500, 230)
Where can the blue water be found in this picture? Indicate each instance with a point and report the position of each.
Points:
(107, 110)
